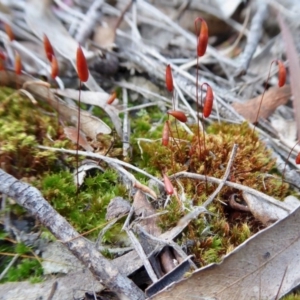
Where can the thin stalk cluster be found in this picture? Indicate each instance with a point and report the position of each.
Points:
(202, 41)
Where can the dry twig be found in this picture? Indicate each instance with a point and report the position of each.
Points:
(254, 36)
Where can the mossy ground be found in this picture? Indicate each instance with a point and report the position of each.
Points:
(27, 265)
(209, 237)
(24, 126)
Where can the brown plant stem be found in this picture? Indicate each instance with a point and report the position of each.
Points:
(78, 134)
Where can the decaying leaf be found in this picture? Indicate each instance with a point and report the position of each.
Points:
(117, 207)
(89, 125)
(268, 213)
(130, 262)
(143, 208)
(57, 259)
(159, 254)
(95, 98)
(81, 172)
(273, 97)
(72, 132)
(261, 267)
(294, 67)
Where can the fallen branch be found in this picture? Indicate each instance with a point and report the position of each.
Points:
(234, 185)
(32, 200)
(255, 34)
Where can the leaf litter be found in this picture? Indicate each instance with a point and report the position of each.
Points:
(261, 255)
(258, 269)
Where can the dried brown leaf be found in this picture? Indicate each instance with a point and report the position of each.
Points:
(72, 132)
(143, 208)
(90, 125)
(273, 97)
(95, 98)
(254, 270)
(81, 172)
(267, 212)
(294, 68)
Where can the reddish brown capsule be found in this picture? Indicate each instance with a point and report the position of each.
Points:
(179, 115)
(208, 104)
(48, 48)
(169, 79)
(297, 160)
(168, 185)
(281, 73)
(111, 98)
(54, 67)
(202, 39)
(2, 56)
(18, 64)
(9, 32)
(165, 134)
(81, 64)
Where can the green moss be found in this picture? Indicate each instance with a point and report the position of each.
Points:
(209, 156)
(170, 219)
(292, 296)
(85, 210)
(146, 124)
(23, 127)
(23, 268)
(214, 252)
(115, 236)
(26, 269)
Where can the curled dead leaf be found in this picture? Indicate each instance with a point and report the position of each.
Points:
(81, 172)
(273, 97)
(95, 98)
(72, 132)
(145, 189)
(143, 208)
(263, 267)
(267, 212)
